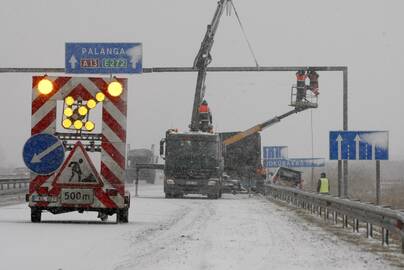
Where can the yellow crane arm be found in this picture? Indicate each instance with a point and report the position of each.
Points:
(257, 128)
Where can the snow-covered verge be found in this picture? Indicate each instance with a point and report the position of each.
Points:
(236, 232)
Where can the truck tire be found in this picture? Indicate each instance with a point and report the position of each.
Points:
(125, 215)
(168, 196)
(35, 215)
(102, 216)
(213, 196)
(122, 215)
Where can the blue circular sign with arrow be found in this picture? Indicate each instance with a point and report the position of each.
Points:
(43, 153)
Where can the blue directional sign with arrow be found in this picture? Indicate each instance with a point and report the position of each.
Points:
(359, 145)
(43, 153)
(110, 58)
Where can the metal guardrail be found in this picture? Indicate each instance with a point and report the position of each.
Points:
(13, 182)
(389, 220)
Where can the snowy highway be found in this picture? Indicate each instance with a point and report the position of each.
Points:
(235, 232)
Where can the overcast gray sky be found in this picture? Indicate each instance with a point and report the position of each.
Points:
(365, 35)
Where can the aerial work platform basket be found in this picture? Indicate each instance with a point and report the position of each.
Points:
(304, 96)
(309, 100)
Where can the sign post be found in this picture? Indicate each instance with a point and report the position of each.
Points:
(359, 145)
(377, 182)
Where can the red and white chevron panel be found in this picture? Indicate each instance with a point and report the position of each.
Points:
(113, 146)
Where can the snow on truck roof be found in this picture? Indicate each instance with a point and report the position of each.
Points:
(192, 133)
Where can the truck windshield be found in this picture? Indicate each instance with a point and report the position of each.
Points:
(196, 154)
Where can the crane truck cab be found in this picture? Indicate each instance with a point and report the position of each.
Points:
(193, 164)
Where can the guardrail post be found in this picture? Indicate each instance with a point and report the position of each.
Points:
(383, 236)
(371, 230)
(402, 244)
(345, 221)
(367, 230)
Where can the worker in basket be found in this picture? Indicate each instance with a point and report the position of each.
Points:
(205, 117)
(323, 186)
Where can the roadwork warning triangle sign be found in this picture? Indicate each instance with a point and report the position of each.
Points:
(78, 169)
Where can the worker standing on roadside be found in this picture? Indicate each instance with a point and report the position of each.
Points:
(323, 186)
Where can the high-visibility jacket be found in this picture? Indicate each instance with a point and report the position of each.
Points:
(203, 108)
(324, 185)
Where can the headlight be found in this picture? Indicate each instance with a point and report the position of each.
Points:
(170, 182)
(212, 183)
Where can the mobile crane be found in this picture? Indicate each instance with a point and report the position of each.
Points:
(194, 160)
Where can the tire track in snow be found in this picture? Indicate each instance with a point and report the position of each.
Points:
(156, 244)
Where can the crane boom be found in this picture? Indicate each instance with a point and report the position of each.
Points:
(202, 60)
(261, 126)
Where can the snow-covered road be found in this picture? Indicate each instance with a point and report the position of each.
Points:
(236, 232)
